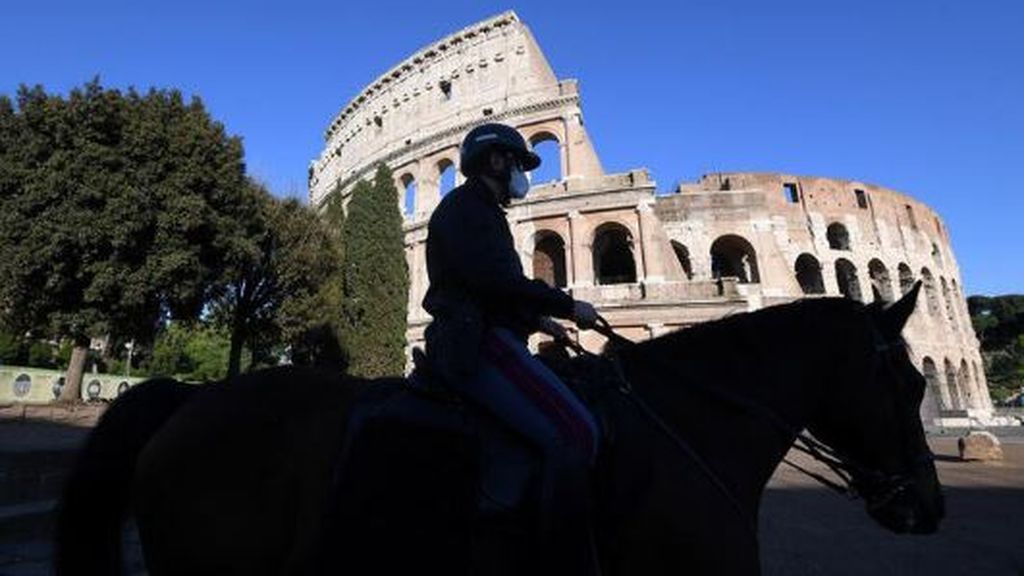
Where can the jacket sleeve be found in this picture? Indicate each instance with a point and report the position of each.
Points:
(489, 267)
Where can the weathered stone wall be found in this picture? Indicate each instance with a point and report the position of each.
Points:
(727, 243)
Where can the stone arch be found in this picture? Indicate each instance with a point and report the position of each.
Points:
(906, 278)
(956, 399)
(935, 385)
(613, 254)
(808, 274)
(549, 258)
(931, 292)
(446, 180)
(683, 257)
(548, 146)
(732, 256)
(950, 314)
(409, 194)
(838, 236)
(847, 279)
(880, 280)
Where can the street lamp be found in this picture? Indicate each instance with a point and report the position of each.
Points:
(130, 345)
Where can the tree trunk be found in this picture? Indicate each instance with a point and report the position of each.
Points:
(72, 390)
(237, 339)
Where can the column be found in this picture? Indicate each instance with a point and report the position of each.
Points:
(580, 259)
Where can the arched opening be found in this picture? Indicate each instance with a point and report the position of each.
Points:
(549, 259)
(906, 278)
(547, 147)
(733, 257)
(931, 292)
(880, 280)
(683, 257)
(613, 255)
(838, 237)
(445, 177)
(808, 274)
(950, 315)
(409, 199)
(956, 400)
(846, 278)
(936, 255)
(931, 377)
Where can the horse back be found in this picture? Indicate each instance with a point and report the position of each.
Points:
(237, 480)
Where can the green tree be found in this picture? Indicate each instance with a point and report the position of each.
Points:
(274, 289)
(116, 210)
(41, 354)
(195, 352)
(999, 323)
(11, 348)
(376, 279)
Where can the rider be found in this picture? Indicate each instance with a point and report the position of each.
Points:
(484, 308)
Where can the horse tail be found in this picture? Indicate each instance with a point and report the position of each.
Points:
(96, 496)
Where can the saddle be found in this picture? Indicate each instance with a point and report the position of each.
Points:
(427, 468)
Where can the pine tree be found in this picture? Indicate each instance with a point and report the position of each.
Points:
(376, 279)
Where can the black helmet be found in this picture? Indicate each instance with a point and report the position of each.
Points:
(486, 136)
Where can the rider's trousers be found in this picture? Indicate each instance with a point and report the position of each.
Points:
(523, 393)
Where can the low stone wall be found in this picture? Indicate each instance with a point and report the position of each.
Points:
(23, 385)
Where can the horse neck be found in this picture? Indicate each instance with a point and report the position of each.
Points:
(688, 379)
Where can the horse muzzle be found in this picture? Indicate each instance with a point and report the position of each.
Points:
(908, 506)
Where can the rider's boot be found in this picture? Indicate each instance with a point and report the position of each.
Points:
(566, 516)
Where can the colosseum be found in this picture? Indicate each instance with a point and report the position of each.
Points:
(650, 262)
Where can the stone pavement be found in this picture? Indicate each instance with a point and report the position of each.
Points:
(805, 529)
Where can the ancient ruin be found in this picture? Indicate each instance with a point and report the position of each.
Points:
(651, 263)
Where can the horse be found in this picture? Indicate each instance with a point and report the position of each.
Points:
(235, 478)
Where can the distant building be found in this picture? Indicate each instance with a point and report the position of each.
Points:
(729, 242)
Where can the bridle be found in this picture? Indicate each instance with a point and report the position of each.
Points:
(855, 480)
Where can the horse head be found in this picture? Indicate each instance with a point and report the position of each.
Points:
(872, 421)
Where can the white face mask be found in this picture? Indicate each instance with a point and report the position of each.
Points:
(518, 184)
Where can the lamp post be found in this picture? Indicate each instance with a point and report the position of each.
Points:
(130, 345)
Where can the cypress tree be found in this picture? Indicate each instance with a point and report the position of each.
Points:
(376, 279)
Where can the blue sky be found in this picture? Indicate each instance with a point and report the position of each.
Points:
(924, 96)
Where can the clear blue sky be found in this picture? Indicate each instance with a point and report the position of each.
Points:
(923, 96)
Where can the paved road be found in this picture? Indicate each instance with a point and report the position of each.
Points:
(805, 530)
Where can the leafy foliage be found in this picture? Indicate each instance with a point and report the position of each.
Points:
(116, 210)
(196, 352)
(376, 279)
(121, 211)
(999, 323)
(273, 290)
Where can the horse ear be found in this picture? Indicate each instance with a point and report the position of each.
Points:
(895, 316)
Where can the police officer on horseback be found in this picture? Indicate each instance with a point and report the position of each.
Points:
(484, 308)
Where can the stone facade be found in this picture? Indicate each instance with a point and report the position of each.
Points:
(651, 263)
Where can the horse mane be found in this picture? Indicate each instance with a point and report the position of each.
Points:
(791, 324)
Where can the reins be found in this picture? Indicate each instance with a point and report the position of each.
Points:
(845, 468)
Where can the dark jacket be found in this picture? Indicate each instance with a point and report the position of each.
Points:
(477, 280)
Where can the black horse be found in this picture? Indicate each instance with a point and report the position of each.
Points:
(237, 478)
